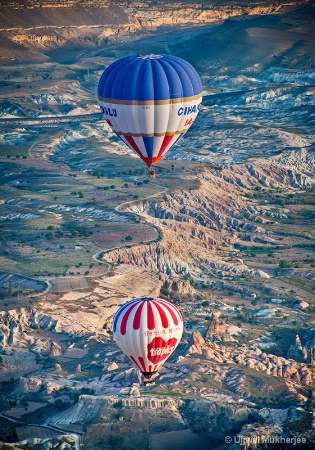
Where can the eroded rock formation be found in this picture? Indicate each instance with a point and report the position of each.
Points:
(196, 223)
(217, 330)
(255, 359)
(297, 352)
(14, 323)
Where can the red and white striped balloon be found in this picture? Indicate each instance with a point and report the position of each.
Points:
(148, 330)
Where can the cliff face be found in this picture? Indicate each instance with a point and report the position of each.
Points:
(151, 15)
(89, 406)
(41, 26)
(199, 413)
(211, 416)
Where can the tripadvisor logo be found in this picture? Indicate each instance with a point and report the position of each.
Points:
(158, 349)
(162, 351)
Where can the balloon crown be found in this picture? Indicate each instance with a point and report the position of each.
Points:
(151, 56)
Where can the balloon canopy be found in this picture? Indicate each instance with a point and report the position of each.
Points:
(150, 101)
(148, 330)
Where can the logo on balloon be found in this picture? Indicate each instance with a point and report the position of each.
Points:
(188, 110)
(151, 56)
(108, 111)
(158, 349)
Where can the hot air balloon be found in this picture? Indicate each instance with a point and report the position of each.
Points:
(148, 330)
(150, 101)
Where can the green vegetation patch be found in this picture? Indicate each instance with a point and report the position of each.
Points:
(303, 283)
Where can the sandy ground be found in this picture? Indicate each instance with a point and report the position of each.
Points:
(88, 311)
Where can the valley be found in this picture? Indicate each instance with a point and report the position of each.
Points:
(225, 231)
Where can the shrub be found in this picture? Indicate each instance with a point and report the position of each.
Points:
(118, 404)
(284, 264)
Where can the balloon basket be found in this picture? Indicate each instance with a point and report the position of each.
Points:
(148, 378)
(149, 382)
(151, 174)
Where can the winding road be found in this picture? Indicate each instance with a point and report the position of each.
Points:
(99, 255)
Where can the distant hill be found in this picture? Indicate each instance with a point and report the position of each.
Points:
(286, 39)
(31, 29)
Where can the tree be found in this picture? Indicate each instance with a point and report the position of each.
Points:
(118, 404)
(128, 238)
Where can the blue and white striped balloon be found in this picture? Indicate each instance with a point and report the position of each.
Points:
(150, 101)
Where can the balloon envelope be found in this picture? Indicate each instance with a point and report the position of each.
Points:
(148, 330)
(150, 101)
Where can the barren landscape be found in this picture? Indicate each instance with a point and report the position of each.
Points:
(225, 231)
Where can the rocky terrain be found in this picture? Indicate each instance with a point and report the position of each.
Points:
(225, 231)
(48, 25)
(208, 218)
(227, 371)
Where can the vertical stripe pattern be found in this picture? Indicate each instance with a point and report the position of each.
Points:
(148, 330)
(150, 101)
